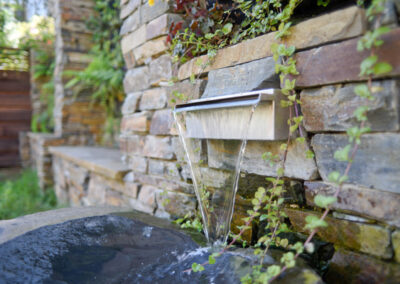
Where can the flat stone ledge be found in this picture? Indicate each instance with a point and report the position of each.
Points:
(104, 161)
(335, 26)
(10, 229)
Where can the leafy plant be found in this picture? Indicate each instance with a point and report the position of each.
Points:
(23, 196)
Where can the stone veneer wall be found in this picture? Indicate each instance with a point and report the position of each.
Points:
(364, 225)
(77, 121)
(74, 115)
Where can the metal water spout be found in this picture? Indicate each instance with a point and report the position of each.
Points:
(254, 115)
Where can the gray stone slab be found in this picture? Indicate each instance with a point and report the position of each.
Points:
(376, 165)
(255, 75)
(10, 229)
(222, 155)
(104, 161)
(319, 115)
(367, 202)
(136, 79)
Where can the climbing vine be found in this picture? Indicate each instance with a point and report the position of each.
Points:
(261, 17)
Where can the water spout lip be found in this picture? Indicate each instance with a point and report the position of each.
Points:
(235, 100)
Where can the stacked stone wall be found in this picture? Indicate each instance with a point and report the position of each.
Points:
(77, 120)
(74, 115)
(364, 224)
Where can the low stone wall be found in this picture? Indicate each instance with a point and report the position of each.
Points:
(364, 222)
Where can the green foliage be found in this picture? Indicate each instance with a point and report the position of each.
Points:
(313, 222)
(324, 201)
(104, 75)
(190, 222)
(197, 267)
(214, 27)
(23, 196)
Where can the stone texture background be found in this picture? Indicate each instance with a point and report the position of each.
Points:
(365, 218)
(77, 121)
(364, 225)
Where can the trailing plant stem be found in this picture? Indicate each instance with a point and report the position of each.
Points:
(336, 194)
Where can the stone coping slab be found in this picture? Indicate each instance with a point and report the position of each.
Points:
(10, 229)
(104, 161)
(336, 26)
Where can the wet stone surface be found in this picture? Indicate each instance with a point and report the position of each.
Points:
(117, 249)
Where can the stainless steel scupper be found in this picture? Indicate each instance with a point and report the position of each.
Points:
(220, 117)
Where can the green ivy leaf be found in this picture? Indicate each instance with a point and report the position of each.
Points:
(209, 36)
(334, 176)
(381, 68)
(211, 259)
(324, 201)
(197, 267)
(313, 222)
(227, 28)
(309, 154)
(363, 91)
(342, 155)
(323, 3)
(361, 113)
(301, 140)
(367, 65)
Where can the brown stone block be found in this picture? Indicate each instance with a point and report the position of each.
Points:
(352, 267)
(158, 147)
(189, 90)
(132, 22)
(114, 198)
(149, 50)
(151, 12)
(160, 70)
(240, 212)
(340, 62)
(368, 202)
(135, 144)
(136, 79)
(319, 115)
(147, 195)
(131, 103)
(174, 203)
(153, 99)
(164, 183)
(222, 155)
(127, 9)
(163, 123)
(134, 39)
(138, 164)
(376, 164)
(366, 238)
(160, 25)
(129, 59)
(396, 245)
(136, 122)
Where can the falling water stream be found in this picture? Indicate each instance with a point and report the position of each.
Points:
(215, 189)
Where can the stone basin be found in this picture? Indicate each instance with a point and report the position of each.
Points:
(112, 245)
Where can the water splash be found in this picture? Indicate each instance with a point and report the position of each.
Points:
(215, 189)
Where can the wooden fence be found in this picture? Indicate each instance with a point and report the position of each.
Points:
(15, 104)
